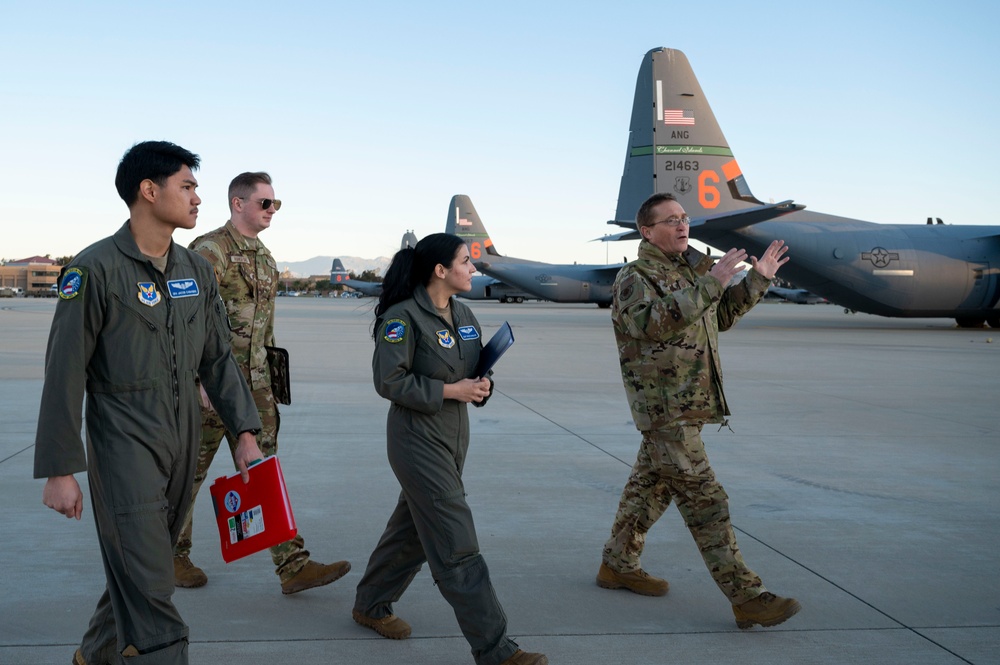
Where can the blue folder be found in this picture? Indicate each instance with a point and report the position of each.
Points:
(500, 342)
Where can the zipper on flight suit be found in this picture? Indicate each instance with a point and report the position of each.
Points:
(173, 358)
(160, 279)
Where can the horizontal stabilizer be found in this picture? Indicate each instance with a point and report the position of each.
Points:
(624, 235)
(627, 223)
(739, 219)
(728, 221)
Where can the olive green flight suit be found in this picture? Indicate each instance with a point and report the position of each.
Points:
(428, 438)
(133, 339)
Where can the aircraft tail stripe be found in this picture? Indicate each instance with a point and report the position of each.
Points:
(682, 150)
(731, 170)
(644, 150)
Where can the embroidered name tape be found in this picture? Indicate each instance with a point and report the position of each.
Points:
(182, 288)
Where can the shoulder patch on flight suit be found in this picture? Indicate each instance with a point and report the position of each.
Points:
(468, 332)
(72, 283)
(445, 339)
(148, 295)
(394, 331)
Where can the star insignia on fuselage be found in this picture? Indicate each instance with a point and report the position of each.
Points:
(879, 256)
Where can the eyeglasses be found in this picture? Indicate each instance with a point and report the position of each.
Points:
(674, 221)
(266, 203)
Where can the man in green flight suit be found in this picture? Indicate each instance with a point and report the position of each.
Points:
(248, 282)
(138, 318)
(668, 308)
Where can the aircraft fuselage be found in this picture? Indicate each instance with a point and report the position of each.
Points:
(885, 269)
(567, 283)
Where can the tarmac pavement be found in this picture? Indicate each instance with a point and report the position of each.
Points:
(862, 472)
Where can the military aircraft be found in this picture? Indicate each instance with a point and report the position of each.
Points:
(559, 282)
(339, 274)
(797, 296)
(903, 270)
(464, 221)
(485, 287)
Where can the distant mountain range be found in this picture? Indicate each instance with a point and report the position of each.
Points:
(320, 265)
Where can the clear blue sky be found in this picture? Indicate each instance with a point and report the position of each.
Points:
(370, 116)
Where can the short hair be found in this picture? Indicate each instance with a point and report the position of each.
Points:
(243, 185)
(150, 160)
(645, 215)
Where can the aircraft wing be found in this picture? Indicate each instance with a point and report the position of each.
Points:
(729, 221)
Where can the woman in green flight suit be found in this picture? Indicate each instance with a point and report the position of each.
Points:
(427, 348)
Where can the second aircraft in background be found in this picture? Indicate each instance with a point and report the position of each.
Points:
(559, 282)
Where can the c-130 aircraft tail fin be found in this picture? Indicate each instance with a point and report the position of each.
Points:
(675, 145)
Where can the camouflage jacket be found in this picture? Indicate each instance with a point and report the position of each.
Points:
(667, 314)
(248, 282)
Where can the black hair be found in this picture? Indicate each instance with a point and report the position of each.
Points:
(150, 160)
(413, 266)
(645, 215)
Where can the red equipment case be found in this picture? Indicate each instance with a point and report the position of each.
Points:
(255, 515)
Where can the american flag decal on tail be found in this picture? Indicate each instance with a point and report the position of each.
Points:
(678, 117)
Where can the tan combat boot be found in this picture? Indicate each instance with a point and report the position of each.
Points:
(525, 658)
(765, 610)
(637, 581)
(315, 574)
(106, 654)
(187, 575)
(391, 626)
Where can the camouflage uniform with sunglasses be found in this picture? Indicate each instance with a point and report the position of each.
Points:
(248, 283)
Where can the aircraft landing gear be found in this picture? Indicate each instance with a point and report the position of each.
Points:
(993, 320)
(970, 322)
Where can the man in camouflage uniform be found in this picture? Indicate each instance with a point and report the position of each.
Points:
(248, 282)
(668, 308)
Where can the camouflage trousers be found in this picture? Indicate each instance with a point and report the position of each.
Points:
(672, 465)
(288, 557)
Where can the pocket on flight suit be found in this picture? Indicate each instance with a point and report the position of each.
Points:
(455, 518)
(144, 534)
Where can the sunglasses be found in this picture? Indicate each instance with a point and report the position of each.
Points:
(266, 203)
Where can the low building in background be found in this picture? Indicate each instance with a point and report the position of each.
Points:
(33, 276)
